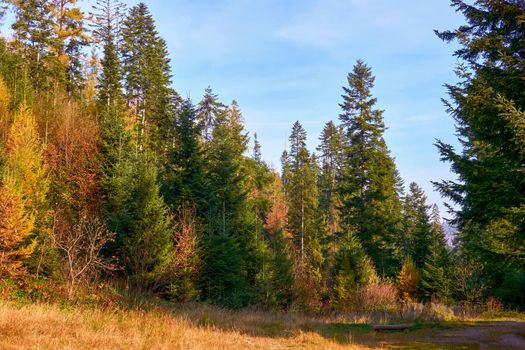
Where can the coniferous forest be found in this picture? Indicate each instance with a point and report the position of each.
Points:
(114, 184)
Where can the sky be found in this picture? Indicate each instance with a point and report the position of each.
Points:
(287, 60)
(284, 61)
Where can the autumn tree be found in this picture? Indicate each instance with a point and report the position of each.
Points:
(24, 187)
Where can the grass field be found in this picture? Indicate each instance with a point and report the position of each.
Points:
(46, 326)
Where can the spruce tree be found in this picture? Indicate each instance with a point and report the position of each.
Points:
(147, 79)
(33, 32)
(486, 106)
(208, 110)
(302, 193)
(330, 149)
(352, 269)
(108, 16)
(184, 180)
(417, 228)
(436, 270)
(368, 180)
(230, 231)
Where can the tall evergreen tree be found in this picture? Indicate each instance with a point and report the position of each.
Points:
(185, 178)
(302, 192)
(147, 77)
(417, 228)
(368, 181)
(229, 238)
(332, 143)
(108, 16)
(435, 273)
(487, 106)
(33, 32)
(208, 110)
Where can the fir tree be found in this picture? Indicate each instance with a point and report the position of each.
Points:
(435, 273)
(229, 223)
(256, 149)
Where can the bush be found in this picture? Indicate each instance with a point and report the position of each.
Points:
(438, 312)
(381, 296)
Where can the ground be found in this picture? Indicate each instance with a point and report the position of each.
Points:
(45, 326)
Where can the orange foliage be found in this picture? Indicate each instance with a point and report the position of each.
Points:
(276, 219)
(72, 158)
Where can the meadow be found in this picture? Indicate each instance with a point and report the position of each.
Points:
(199, 326)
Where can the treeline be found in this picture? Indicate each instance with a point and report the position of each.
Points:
(107, 173)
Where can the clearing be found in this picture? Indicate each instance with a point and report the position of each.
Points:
(44, 326)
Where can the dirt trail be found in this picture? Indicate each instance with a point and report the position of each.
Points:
(504, 335)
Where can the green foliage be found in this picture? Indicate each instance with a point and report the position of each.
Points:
(486, 105)
(148, 247)
(368, 178)
(352, 269)
(184, 178)
(302, 192)
(147, 78)
(221, 279)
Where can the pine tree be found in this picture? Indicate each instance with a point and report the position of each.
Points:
(486, 106)
(368, 180)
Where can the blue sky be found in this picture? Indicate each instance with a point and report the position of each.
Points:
(285, 60)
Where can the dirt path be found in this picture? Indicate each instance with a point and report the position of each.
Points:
(504, 335)
(484, 335)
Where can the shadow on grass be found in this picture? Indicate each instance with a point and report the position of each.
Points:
(465, 335)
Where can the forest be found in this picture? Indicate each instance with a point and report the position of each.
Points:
(114, 186)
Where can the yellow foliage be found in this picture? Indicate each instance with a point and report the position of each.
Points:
(408, 280)
(15, 226)
(24, 160)
(23, 189)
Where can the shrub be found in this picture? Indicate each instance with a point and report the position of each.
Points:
(438, 312)
(408, 280)
(380, 296)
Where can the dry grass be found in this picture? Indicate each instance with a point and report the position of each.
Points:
(190, 327)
